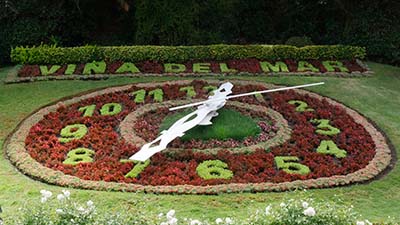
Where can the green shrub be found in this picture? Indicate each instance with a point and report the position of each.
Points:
(63, 210)
(156, 22)
(305, 212)
(45, 54)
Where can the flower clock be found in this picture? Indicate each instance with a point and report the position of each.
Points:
(264, 142)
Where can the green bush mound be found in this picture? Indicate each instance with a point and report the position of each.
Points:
(45, 54)
(228, 124)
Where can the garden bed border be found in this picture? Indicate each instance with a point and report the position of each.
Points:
(14, 146)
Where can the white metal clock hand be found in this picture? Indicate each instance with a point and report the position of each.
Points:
(244, 94)
(202, 116)
(205, 112)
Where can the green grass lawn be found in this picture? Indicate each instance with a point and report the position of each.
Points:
(376, 97)
(222, 128)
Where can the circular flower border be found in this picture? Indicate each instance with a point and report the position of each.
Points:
(17, 154)
(283, 134)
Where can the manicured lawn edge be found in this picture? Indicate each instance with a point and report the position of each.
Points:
(14, 146)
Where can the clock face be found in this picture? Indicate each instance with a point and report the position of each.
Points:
(274, 142)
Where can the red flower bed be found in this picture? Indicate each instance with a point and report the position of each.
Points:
(165, 168)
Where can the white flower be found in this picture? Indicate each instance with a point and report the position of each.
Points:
(195, 222)
(304, 204)
(228, 220)
(81, 209)
(46, 194)
(59, 211)
(173, 221)
(367, 222)
(218, 221)
(360, 223)
(282, 204)
(43, 200)
(171, 214)
(267, 210)
(310, 211)
(60, 197)
(160, 215)
(90, 204)
(66, 193)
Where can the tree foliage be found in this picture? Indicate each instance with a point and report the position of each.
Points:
(372, 24)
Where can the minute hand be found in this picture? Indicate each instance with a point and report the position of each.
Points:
(244, 94)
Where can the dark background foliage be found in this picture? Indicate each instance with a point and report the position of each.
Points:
(373, 24)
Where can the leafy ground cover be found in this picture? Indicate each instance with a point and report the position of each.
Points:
(376, 97)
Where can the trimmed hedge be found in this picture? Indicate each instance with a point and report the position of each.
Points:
(45, 54)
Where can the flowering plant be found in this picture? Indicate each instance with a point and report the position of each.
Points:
(63, 210)
(306, 211)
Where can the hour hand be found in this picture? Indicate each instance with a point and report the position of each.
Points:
(146, 152)
(207, 119)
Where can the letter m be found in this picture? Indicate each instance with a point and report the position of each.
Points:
(279, 66)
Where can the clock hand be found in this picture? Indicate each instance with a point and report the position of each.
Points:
(242, 95)
(203, 116)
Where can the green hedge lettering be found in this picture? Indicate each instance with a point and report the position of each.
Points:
(331, 65)
(157, 94)
(137, 169)
(278, 67)
(70, 69)
(174, 68)
(214, 169)
(45, 71)
(72, 132)
(210, 88)
(325, 128)
(95, 68)
(330, 148)
(128, 68)
(225, 69)
(79, 155)
(290, 165)
(201, 67)
(110, 109)
(301, 106)
(190, 93)
(139, 96)
(87, 110)
(304, 66)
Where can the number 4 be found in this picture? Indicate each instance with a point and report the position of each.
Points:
(330, 148)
